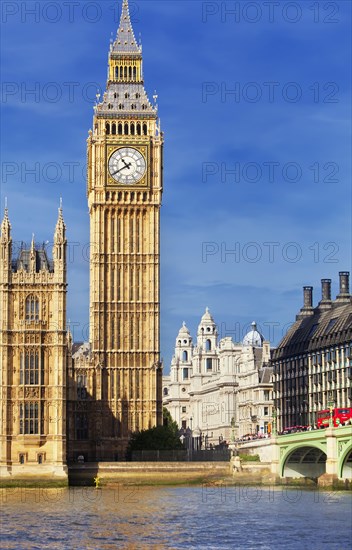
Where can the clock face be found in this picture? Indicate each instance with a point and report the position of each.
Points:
(127, 165)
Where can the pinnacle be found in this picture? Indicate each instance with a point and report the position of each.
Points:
(125, 40)
(5, 225)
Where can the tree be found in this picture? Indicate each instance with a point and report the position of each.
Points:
(160, 438)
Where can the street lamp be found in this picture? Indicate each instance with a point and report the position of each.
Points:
(331, 407)
(233, 424)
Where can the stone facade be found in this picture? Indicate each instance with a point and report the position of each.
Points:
(313, 362)
(124, 190)
(116, 379)
(219, 389)
(33, 354)
(59, 400)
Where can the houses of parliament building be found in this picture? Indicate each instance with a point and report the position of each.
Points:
(60, 400)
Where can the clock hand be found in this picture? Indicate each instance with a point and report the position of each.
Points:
(117, 171)
(123, 168)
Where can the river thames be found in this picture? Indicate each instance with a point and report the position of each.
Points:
(173, 517)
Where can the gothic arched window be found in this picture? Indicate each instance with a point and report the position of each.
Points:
(29, 368)
(32, 308)
(29, 418)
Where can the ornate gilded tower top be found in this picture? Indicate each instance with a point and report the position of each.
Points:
(125, 95)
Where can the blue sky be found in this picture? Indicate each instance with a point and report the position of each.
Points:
(255, 106)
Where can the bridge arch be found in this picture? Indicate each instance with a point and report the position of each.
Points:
(345, 464)
(307, 460)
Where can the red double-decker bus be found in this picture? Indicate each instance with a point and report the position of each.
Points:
(339, 417)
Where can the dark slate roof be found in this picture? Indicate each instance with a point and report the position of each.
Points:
(125, 42)
(116, 104)
(42, 262)
(80, 349)
(258, 354)
(326, 327)
(265, 375)
(76, 346)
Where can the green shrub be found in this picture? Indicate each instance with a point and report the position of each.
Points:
(250, 458)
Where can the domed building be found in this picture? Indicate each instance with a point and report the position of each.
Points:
(253, 337)
(218, 389)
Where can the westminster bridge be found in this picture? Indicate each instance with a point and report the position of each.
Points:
(324, 454)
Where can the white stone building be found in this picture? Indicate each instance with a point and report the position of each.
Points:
(219, 389)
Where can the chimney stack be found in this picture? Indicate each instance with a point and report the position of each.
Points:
(344, 295)
(307, 297)
(307, 308)
(325, 294)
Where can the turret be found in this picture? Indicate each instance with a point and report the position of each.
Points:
(182, 361)
(207, 332)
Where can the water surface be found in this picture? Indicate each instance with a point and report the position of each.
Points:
(192, 517)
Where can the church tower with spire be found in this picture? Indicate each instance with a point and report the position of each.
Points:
(33, 356)
(124, 190)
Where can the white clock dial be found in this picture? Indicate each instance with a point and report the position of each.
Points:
(127, 165)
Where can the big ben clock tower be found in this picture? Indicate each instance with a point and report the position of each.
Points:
(124, 188)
